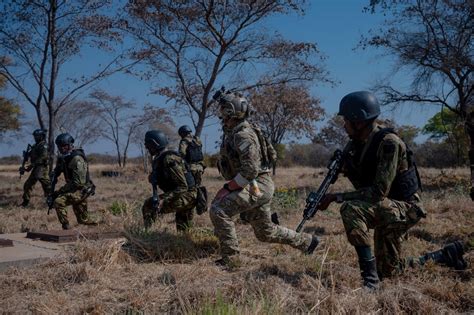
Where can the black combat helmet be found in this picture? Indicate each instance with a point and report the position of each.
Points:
(39, 135)
(64, 139)
(359, 106)
(156, 139)
(183, 131)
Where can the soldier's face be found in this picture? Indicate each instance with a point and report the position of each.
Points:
(350, 129)
(64, 149)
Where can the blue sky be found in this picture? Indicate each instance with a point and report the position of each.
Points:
(335, 25)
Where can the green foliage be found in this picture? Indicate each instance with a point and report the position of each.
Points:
(9, 113)
(280, 148)
(444, 123)
(285, 198)
(118, 207)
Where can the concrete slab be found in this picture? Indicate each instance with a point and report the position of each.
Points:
(27, 251)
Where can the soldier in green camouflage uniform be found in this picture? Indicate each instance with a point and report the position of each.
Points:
(73, 164)
(380, 166)
(190, 148)
(170, 173)
(250, 188)
(38, 156)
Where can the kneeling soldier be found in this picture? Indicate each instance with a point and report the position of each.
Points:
(244, 161)
(381, 168)
(73, 164)
(169, 172)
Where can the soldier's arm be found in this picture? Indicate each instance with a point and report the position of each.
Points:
(78, 176)
(176, 170)
(249, 155)
(387, 165)
(183, 145)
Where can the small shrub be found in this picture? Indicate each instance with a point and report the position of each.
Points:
(118, 207)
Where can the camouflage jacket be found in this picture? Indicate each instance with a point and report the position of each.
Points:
(391, 160)
(74, 167)
(171, 177)
(240, 154)
(39, 154)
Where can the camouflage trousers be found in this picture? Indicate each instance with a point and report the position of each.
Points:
(197, 170)
(182, 204)
(37, 174)
(257, 212)
(390, 220)
(79, 206)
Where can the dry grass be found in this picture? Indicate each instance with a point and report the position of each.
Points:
(161, 271)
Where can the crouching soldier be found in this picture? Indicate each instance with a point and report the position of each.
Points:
(386, 197)
(73, 164)
(244, 162)
(172, 175)
(38, 156)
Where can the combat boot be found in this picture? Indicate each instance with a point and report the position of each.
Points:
(368, 272)
(66, 226)
(25, 203)
(368, 267)
(450, 255)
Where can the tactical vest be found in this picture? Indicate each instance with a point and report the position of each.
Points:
(37, 153)
(65, 166)
(405, 183)
(164, 179)
(194, 152)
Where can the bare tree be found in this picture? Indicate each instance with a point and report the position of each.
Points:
(284, 110)
(192, 47)
(37, 40)
(332, 135)
(434, 40)
(121, 122)
(79, 118)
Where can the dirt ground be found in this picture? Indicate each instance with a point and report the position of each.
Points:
(161, 271)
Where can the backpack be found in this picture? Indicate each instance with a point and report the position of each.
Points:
(269, 154)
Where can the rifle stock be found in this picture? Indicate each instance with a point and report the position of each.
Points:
(314, 198)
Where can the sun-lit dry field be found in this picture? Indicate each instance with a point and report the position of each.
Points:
(162, 271)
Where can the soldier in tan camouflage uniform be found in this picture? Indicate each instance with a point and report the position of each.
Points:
(73, 164)
(380, 166)
(38, 156)
(190, 148)
(250, 188)
(171, 174)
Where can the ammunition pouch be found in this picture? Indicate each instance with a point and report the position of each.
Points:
(405, 185)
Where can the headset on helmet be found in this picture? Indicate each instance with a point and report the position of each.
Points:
(232, 104)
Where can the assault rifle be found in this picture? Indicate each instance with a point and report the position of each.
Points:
(314, 198)
(50, 199)
(26, 156)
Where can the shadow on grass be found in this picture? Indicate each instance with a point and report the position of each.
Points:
(149, 245)
(438, 239)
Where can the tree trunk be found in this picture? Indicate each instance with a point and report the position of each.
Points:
(470, 132)
(200, 124)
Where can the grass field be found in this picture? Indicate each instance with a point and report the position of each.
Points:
(160, 271)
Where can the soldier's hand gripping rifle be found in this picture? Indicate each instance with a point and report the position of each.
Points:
(314, 198)
(52, 196)
(26, 156)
